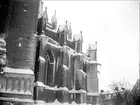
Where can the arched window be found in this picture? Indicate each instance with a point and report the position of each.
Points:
(49, 69)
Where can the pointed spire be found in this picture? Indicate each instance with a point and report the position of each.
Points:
(46, 14)
(55, 18)
(70, 31)
(66, 25)
(52, 20)
(81, 36)
(70, 26)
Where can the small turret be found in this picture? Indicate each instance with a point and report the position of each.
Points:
(78, 39)
(92, 51)
(54, 21)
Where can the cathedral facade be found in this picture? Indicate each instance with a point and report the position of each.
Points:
(41, 62)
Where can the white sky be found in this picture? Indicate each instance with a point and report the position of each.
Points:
(115, 27)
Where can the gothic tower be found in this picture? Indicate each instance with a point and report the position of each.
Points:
(92, 75)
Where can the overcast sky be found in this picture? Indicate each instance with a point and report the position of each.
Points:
(115, 27)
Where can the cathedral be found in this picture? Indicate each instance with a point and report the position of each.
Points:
(42, 62)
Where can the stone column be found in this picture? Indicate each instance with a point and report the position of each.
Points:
(16, 81)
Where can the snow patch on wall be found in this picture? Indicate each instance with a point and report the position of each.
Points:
(42, 59)
(65, 67)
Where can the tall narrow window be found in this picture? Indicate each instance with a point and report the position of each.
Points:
(49, 69)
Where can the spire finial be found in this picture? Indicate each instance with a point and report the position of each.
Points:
(81, 32)
(70, 26)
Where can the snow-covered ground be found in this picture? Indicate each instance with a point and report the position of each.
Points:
(56, 102)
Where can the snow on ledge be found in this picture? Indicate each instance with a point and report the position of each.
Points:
(92, 62)
(18, 71)
(63, 88)
(93, 94)
(40, 84)
(77, 91)
(50, 88)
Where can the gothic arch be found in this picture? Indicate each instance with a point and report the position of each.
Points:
(49, 68)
